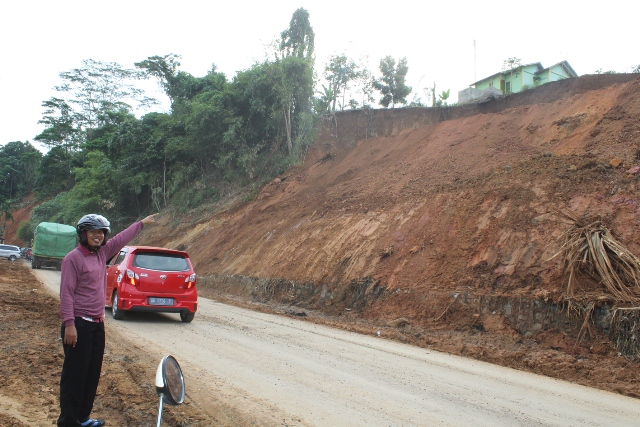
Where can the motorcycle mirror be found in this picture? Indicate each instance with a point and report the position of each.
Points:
(169, 384)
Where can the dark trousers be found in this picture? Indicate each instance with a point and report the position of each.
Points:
(81, 373)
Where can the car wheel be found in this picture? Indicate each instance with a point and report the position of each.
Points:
(12, 257)
(115, 310)
(33, 266)
(186, 316)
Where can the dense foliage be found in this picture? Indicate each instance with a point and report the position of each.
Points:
(18, 165)
(219, 134)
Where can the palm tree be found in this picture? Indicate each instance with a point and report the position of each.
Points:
(444, 96)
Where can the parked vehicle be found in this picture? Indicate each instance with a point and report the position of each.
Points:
(10, 252)
(26, 253)
(144, 278)
(51, 242)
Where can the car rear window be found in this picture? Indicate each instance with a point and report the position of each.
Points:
(159, 261)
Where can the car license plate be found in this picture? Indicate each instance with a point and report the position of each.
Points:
(160, 301)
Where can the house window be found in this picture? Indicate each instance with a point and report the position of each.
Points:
(490, 84)
(502, 86)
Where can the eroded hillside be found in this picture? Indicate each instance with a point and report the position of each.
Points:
(459, 199)
(437, 227)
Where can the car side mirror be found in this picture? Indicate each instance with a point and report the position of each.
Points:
(169, 384)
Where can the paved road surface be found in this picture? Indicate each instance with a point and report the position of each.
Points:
(305, 374)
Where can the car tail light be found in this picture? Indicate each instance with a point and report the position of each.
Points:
(133, 278)
(190, 281)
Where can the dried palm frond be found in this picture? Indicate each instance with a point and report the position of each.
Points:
(589, 248)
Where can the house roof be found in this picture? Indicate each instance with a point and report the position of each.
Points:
(508, 71)
(563, 64)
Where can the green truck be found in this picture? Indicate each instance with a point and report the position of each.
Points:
(51, 242)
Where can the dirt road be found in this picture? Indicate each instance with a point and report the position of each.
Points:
(282, 369)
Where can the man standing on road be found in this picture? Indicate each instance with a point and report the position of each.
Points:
(82, 299)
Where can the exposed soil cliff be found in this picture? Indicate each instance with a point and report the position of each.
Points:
(420, 220)
(408, 201)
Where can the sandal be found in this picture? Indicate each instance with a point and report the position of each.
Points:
(92, 423)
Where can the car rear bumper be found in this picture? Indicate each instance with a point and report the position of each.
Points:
(138, 301)
(163, 309)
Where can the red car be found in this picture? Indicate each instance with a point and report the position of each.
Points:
(144, 278)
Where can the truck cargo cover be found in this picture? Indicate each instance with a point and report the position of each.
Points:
(53, 240)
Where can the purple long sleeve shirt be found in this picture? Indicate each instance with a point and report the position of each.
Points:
(83, 278)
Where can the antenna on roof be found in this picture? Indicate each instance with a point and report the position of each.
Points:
(474, 61)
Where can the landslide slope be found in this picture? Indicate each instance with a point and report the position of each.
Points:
(417, 201)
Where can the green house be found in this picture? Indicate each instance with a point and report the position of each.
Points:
(526, 77)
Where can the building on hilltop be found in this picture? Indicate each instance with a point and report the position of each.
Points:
(515, 80)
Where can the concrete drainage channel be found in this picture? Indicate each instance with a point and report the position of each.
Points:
(527, 316)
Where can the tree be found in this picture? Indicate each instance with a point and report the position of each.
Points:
(296, 93)
(5, 214)
(61, 129)
(95, 186)
(323, 103)
(164, 68)
(25, 231)
(137, 152)
(444, 96)
(293, 74)
(392, 84)
(54, 174)
(365, 83)
(273, 99)
(178, 85)
(298, 39)
(339, 72)
(91, 93)
(511, 65)
(18, 164)
(99, 87)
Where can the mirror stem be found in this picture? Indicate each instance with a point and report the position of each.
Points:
(160, 411)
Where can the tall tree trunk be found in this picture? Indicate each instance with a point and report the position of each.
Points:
(433, 99)
(164, 181)
(287, 125)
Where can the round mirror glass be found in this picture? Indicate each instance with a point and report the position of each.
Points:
(171, 385)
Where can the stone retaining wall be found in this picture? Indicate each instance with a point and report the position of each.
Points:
(527, 316)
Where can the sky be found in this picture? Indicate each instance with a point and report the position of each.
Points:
(449, 43)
